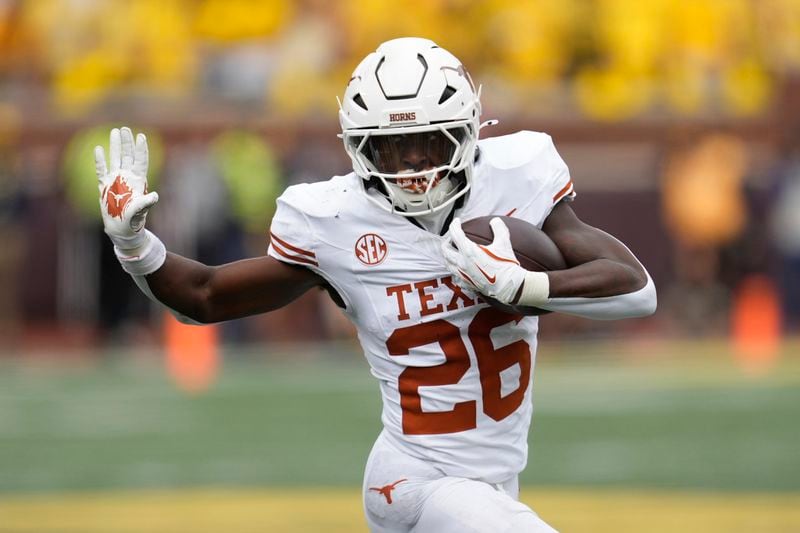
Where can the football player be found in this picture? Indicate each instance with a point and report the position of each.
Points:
(386, 242)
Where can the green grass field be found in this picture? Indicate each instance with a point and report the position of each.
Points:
(621, 433)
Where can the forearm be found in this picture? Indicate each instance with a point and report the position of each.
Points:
(598, 278)
(601, 289)
(604, 279)
(243, 288)
(150, 257)
(635, 303)
(201, 294)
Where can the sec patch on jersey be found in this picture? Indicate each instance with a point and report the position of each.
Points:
(534, 250)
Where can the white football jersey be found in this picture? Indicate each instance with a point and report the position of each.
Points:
(455, 374)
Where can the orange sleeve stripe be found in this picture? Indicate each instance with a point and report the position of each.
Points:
(290, 247)
(304, 260)
(563, 192)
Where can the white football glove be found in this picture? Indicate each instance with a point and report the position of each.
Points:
(493, 270)
(124, 199)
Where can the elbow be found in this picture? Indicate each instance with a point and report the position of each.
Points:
(190, 321)
(211, 307)
(204, 313)
(649, 307)
(202, 310)
(198, 314)
(647, 302)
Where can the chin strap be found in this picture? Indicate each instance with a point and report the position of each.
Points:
(458, 204)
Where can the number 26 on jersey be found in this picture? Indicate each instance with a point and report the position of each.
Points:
(491, 362)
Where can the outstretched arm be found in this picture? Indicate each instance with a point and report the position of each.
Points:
(194, 292)
(235, 290)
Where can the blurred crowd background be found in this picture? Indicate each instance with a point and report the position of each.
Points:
(679, 119)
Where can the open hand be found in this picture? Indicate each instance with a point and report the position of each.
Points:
(124, 200)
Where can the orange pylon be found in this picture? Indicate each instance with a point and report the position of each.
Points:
(192, 354)
(756, 320)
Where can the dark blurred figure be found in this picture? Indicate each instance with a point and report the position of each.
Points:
(40, 206)
(11, 232)
(785, 226)
(697, 302)
(198, 225)
(705, 210)
(240, 178)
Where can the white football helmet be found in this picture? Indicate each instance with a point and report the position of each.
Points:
(410, 120)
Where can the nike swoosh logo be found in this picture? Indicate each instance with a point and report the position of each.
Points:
(491, 279)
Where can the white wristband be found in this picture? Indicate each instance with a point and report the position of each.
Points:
(146, 258)
(535, 289)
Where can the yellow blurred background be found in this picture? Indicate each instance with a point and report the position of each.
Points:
(606, 59)
(679, 119)
(679, 115)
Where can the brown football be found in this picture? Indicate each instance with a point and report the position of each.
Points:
(533, 248)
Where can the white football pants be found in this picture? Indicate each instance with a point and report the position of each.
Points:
(406, 495)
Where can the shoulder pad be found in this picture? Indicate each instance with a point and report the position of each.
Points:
(517, 149)
(321, 199)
